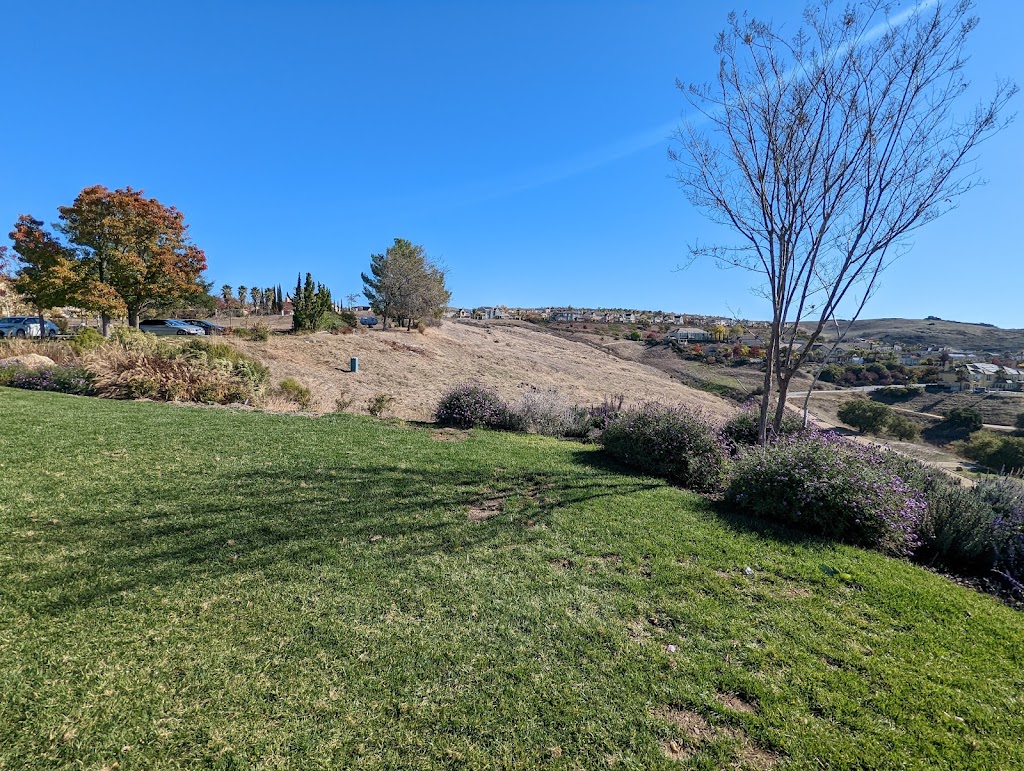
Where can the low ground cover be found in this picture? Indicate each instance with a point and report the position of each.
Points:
(197, 587)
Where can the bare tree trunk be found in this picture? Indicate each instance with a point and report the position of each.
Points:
(769, 380)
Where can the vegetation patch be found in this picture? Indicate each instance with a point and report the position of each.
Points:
(326, 576)
(674, 443)
(824, 484)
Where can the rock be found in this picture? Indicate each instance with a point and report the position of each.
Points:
(27, 360)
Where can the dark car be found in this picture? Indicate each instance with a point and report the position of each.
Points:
(169, 327)
(207, 326)
(368, 321)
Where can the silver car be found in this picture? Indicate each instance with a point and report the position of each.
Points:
(26, 326)
(169, 327)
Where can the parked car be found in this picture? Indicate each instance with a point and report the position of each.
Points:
(25, 326)
(169, 327)
(368, 321)
(207, 326)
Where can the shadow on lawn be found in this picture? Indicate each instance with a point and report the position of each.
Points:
(272, 520)
(714, 505)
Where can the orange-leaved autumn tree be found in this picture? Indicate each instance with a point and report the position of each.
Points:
(135, 245)
(49, 276)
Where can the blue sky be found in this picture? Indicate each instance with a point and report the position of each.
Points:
(523, 144)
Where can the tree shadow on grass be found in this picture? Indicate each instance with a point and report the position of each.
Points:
(268, 521)
(716, 506)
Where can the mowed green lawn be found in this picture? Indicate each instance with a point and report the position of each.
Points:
(209, 588)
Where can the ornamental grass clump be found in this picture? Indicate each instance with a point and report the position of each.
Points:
(823, 484)
(136, 365)
(472, 404)
(676, 443)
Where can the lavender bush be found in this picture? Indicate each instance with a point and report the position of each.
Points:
(473, 404)
(551, 414)
(824, 484)
(1004, 497)
(676, 443)
(62, 379)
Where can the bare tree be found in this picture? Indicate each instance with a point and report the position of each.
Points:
(826, 151)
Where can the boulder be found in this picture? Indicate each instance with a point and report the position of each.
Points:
(27, 360)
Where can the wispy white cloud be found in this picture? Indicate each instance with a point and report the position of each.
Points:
(552, 173)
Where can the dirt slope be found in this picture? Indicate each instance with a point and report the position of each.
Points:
(417, 368)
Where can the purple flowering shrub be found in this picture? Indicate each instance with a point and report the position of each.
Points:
(1004, 497)
(472, 404)
(671, 442)
(824, 484)
(62, 379)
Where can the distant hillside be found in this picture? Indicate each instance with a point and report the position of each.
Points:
(936, 332)
(416, 369)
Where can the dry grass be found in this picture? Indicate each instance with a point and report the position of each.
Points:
(57, 350)
(416, 369)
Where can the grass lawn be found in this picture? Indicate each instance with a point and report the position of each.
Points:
(209, 588)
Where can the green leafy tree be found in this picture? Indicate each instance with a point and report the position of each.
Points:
(866, 416)
(243, 293)
(405, 285)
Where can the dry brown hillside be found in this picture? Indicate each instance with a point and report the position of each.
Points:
(417, 368)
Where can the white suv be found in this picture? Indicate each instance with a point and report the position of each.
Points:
(25, 326)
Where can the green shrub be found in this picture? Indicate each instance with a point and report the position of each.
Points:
(1020, 422)
(741, 428)
(86, 339)
(377, 404)
(473, 404)
(866, 416)
(902, 427)
(296, 392)
(997, 451)
(258, 332)
(340, 323)
(821, 483)
(132, 339)
(675, 443)
(964, 419)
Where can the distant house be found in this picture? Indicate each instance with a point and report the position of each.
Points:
(566, 316)
(966, 377)
(491, 312)
(689, 335)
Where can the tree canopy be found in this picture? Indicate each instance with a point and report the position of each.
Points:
(122, 253)
(405, 285)
(311, 305)
(824, 151)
